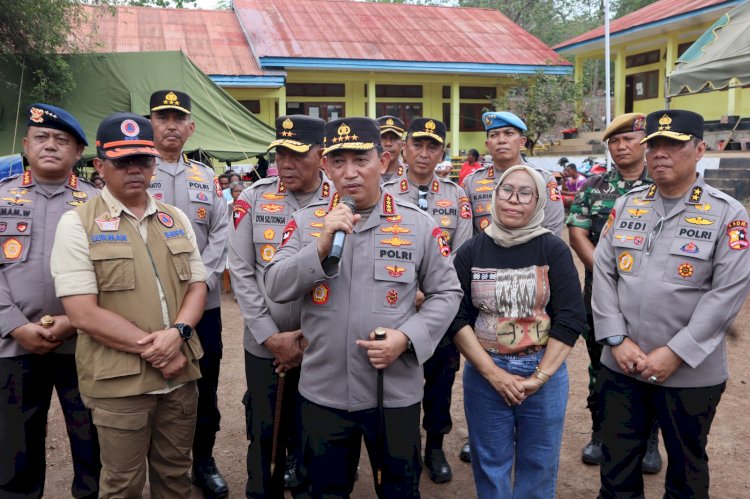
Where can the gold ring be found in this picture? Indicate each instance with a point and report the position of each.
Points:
(47, 321)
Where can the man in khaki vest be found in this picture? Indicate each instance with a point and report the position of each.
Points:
(130, 277)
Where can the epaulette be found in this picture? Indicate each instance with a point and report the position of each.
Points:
(413, 207)
(195, 162)
(719, 194)
(6, 179)
(447, 181)
(482, 169)
(639, 188)
(262, 182)
(390, 182)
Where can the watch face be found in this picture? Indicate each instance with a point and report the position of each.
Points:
(186, 332)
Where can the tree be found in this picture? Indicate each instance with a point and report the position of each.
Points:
(544, 102)
(33, 33)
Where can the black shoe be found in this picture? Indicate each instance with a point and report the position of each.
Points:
(592, 453)
(291, 480)
(652, 458)
(465, 454)
(440, 470)
(207, 477)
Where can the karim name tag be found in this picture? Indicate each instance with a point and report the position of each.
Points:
(108, 224)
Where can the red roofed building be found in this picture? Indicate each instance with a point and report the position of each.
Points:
(645, 45)
(336, 58)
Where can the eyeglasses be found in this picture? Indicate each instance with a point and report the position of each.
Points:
(422, 201)
(524, 196)
(137, 161)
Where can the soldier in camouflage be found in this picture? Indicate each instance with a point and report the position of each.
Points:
(588, 214)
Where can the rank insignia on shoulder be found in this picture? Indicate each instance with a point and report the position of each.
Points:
(282, 187)
(696, 195)
(435, 186)
(404, 185)
(320, 294)
(651, 192)
(325, 190)
(737, 232)
(165, 219)
(12, 248)
(388, 205)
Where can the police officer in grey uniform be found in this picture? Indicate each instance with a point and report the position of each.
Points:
(37, 341)
(391, 249)
(447, 203)
(392, 140)
(192, 187)
(671, 272)
(505, 136)
(272, 338)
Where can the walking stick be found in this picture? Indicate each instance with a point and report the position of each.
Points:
(277, 419)
(380, 336)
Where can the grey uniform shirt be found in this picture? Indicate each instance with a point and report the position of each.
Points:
(388, 256)
(192, 187)
(676, 279)
(259, 217)
(480, 184)
(447, 203)
(28, 218)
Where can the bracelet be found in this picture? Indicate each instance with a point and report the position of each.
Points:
(541, 375)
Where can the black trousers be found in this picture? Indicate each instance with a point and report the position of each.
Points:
(260, 409)
(332, 440)
(209, 417)
(26, 384)
(684, 416)
(439, 375)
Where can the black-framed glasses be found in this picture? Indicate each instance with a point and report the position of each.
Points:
(422, 201)
(139, 161)
(524, 196)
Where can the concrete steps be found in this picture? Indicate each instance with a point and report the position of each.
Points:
(732, 177)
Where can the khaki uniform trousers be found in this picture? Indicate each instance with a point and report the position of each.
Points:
(159, 428)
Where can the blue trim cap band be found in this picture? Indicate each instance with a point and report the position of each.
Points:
(498, 119)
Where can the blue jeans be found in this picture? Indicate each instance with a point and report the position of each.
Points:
(530, 433)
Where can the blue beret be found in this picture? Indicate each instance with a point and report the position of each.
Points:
(498, 119)
(47, 116)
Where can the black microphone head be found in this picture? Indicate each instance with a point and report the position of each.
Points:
(349, 202)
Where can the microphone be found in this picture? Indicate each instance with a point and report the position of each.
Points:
(337, 248)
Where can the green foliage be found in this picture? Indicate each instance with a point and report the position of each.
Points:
(544, 101)
(177, 4)
(33, 33)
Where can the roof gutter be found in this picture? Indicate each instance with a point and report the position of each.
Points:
(248, 81)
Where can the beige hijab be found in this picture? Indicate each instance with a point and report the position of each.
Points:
(506, 237)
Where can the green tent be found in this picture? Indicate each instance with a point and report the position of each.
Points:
(111, 82)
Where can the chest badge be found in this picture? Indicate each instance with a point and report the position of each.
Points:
(395, 270)
(685, 270)
(393, 219)
(699, 221)
(78, 198)
(320, 294)
(268, 234)
(165, 219)
(22, 226)
(445, 221)
(266, 252)
(107, 223)
(703, 207)
(201, 213)
(391, 296)
(12, 248)
(271, 207)
(320, 213)
(625, 261)
(637, 212)
(273, 196)
(396, 241)
(395, 229)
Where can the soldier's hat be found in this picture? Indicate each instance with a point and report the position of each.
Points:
(47, 116)
(499, 119)
(629, 122)
(170, 99)
(675, 124)
(357, 134)
(298, 132)
(391, 124)
(125, 134)
(427, 127)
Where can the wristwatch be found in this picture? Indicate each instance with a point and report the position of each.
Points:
(613, 341)
(409, 346)
(186, 331)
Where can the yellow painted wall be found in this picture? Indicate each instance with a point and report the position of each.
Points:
(712, 105)
(356, 103)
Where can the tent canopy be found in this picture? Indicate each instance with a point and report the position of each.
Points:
(721, 54)
(107, 83)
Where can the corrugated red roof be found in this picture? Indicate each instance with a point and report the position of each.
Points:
(336, 29)
(212, 39)
(657, 11)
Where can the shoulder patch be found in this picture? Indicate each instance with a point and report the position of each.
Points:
(288, 231)
(240, 209)
(737, 233)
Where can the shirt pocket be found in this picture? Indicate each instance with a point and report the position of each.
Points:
(200, 205)
(689, 263)
(394, 285)
(180, 250)
(114, 265)
(628, 253)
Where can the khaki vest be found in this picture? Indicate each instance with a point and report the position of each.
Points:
(127, 271)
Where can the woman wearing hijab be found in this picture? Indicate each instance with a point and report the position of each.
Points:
(521, 314)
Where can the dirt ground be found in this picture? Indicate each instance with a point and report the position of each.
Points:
(728, 447)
